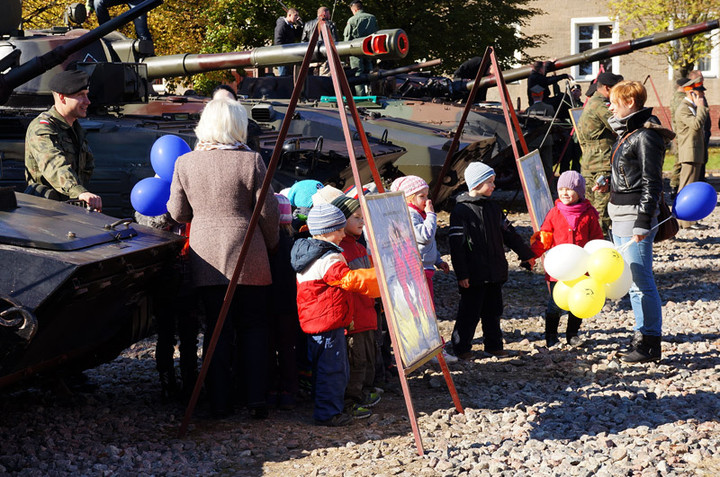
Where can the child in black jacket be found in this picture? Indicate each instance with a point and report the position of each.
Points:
(478, 233)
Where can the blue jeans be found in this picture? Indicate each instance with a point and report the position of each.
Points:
(141, 25)
(330, 372)
(644, 296)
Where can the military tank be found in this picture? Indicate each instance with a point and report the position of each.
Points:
(76, 286)
(431, 106)
(125, 118)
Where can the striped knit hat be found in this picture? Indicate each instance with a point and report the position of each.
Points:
(409, 185)
(347, 205)
(284, 208)
(325, 218)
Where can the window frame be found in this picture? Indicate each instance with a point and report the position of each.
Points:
(575, 24)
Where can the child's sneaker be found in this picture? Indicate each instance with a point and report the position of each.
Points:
(360, 412)
(338, 420)
(448, 358)
(370, 399)
(575, 340)
(551, 340)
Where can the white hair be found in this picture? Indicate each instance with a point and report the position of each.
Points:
(223, 121)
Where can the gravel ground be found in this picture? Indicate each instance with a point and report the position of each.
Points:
(565, 412)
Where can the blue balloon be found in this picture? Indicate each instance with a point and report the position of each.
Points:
(695, 201)
(165, 152)
(150, 196)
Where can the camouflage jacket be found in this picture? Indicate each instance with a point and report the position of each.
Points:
(675, 101)
(58, 160)
(595, 135)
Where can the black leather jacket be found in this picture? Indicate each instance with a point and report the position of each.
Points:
(637, 160)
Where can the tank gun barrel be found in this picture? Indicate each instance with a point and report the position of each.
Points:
(40, 64)
(386, 44)
(609, 51)
(376, 75)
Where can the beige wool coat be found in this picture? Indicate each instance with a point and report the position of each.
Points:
(216, 191)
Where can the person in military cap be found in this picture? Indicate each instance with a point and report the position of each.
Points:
(691, 116)
(58, 160)
(596, 138)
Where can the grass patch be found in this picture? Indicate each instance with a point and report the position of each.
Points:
(713, 160)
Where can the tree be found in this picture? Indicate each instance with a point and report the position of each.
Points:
(646, 17)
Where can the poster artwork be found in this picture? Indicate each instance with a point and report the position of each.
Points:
(401, 277)
(535, 186)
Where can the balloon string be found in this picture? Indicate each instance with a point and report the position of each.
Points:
(626, 245)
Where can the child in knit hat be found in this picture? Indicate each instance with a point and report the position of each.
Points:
(424, 222)
(478, 235)
(572, 220)
(323, 282)
(360, 393)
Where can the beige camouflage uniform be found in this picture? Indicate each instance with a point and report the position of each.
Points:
(596, 138)
(58, 160)
(677, 98)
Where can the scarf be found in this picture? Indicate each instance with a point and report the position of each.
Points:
(421, 212)
(211, 146)
(573, 212)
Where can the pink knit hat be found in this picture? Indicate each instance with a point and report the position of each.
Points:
(409, 185)
(285, 209)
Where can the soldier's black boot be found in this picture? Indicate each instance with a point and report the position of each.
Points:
(647, 350)
(552, 320)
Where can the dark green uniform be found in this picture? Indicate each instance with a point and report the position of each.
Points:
(360, 25)
(596, 139)
(58, 160)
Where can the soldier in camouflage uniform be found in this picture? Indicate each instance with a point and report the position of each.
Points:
(58, 160)
(675, 101)
(596, 139)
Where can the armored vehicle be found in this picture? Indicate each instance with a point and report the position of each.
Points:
(125, 119)
(76, 286)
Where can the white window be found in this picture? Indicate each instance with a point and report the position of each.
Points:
(588, 34)
(709, 64)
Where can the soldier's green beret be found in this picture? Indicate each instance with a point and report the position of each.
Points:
(69, 82)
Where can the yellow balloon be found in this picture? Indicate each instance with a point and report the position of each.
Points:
(586, 298)
(560, 295)
(605, 265)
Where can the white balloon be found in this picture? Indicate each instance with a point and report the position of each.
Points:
(619, 288)
(566, 262)
(597, 244)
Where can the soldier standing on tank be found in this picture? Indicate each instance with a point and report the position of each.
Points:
(596, 139)
(360, 25)
(103, 15)
(58, 160)
(323, 13)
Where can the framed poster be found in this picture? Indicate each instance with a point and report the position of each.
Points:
(575, 117)
(535, 187)
(403, 286)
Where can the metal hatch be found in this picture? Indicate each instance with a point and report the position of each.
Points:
(51, 225)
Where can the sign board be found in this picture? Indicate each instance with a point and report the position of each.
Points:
(535, 187)
(404, 288)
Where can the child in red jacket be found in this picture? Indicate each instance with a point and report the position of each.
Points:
(360, 393)
(324, 280)
(572, 220)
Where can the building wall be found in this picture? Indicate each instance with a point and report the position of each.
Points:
(557, 24)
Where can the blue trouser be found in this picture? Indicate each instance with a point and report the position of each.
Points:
(644, 296)
(141, 25)
(330, 372)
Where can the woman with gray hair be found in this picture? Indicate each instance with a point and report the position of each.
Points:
(215, 187)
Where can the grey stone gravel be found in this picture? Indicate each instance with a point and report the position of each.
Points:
(560, 412)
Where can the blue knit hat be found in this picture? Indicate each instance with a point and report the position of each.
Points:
(325, 218)
(301, 193)
(477, 173)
